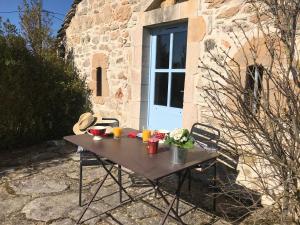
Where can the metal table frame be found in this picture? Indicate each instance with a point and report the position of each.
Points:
(175, 198)
(130, 153)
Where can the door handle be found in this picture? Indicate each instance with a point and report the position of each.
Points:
(182, 91)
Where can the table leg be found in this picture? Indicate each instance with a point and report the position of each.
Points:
(96, 192)
(178, 183)
(170, 204)
(116, 181)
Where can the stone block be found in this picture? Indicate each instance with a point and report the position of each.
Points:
(100, 59)
(215, 3)
(135, 107)
(229, 12)
(194, 53)
(153, 17)
(171, 13)
(190, 114)
(123, 13)
(137, 57)
(167, 3)
(188, 9)
(135, 77)
(196, 29)
(136, 92)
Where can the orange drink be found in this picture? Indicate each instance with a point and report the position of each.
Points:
(117, 131)
(146, 135)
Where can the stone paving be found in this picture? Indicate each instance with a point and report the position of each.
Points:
(39, 185)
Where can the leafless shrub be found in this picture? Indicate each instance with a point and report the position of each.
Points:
(254, 97)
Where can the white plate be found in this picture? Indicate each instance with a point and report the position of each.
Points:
(163, 131)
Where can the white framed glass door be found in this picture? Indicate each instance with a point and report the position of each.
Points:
(167, 76)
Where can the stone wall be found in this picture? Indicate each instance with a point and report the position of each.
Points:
(98, 35)
(107, 33)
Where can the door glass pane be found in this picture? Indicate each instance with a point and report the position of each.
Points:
(161, 89)
(177, 89)
(163, 51)
(179, 50)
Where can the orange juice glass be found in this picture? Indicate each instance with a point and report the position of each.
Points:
(146, 135)
(117, 131)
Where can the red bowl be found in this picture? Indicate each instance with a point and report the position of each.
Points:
(97, 130)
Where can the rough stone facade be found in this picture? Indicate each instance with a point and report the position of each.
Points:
(112, 34)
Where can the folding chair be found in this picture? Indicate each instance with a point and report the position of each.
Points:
(88, 159)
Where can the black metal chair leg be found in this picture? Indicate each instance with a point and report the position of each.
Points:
(80, 185)
(120, 181)
(190, 180)
(178, 183)
(155, 189)
(215, 188)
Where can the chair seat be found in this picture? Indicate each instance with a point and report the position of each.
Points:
(88, 159)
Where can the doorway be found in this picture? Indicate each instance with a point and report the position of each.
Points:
(167, 76)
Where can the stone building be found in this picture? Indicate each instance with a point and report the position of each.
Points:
(141, 57)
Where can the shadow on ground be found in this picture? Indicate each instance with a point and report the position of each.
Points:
(34, 157)
(234, 203)
(40, 186)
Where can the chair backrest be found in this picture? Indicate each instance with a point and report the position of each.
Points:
(87, 158)
(228, 155)
(205, 134)
(112, 122)
(210, 136)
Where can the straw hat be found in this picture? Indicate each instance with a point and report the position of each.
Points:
(85, 121)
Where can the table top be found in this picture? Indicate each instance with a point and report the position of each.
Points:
(131, 153)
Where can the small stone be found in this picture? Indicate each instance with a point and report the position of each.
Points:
(167, 3)
(225, 44)
(229, 12)
(5, 192)
(255, 18)
(95, 40)
(119, 94)
(123, 13)
(215, 3)
(210, 44)
(86, 63)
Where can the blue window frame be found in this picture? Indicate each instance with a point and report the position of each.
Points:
(167, 76)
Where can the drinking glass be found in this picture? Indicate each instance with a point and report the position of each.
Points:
(117, 131)
(146, 135)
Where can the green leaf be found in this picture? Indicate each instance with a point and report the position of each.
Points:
(189, 144)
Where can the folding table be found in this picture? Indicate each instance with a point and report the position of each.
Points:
(131, 153)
